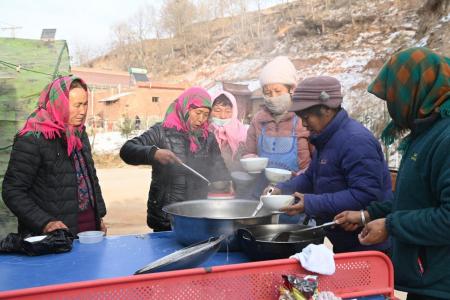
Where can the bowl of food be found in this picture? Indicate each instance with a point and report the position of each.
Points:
(90, 237)
(254, 164)
(275, 202)
(275, 175)
(220, 185)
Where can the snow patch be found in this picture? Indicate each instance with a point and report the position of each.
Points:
(423, 41)
(445, 18)
(241, 70)
(107, 142)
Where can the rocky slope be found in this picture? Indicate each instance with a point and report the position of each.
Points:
(347, 39)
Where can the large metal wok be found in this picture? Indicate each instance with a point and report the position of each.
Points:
(257, 244)
(197, 220)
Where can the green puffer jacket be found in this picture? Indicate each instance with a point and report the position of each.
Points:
(418, 220)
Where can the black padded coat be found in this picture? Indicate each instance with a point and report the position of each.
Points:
(173, 183)
(40, 184)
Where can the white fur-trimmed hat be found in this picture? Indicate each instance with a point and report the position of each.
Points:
(279, 70)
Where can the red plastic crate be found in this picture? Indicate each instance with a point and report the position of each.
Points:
(357, 274)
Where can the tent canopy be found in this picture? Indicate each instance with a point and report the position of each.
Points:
(26, 67)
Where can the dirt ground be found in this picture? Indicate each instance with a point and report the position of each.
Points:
(125, 191)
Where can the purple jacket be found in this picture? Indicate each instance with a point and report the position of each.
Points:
(347, 172)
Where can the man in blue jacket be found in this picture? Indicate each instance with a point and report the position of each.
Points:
(347, 171)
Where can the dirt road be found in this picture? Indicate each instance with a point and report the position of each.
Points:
(125, 192)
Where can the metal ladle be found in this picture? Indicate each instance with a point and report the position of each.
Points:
(192, 170)
(196, 173)
(260, 204)
(285, 235)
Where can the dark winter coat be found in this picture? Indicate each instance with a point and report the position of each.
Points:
(40, 184)
(418, 220)
(347, 172)
(174, 183)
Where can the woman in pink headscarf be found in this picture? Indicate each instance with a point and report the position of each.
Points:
(183, 136)
(229, 131)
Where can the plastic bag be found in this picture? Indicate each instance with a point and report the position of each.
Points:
(299, 287)
(56, 241)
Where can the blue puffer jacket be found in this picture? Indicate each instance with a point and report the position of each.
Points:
(347, 172)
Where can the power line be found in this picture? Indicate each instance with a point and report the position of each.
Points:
(10, 27)
(18, 68)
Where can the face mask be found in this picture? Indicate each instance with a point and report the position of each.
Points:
(220, 122)
(279, 104)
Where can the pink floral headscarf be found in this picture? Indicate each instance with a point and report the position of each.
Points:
(178, 113)
(51, 117)
(234, 132)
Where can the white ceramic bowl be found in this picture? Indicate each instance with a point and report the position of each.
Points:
(254, 164)
(275, 202)
(277, 175)
(90, 237)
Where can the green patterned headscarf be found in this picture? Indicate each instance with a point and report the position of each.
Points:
(51, 117)
(177, 114)
(415, 84)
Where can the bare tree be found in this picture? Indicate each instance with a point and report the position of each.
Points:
(220, 8)
(259, 3)
(177, 16)
(204, 16)
(349, 3)
(82, 54)
(144, 24)
(122, 41)
(130, 38)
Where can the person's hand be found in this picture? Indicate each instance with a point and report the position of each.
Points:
(103, 226)
(350, 220)
(232, 191)
(296, 208)
(374, 232)
(250, 155)
(165, 156)
(275, 190)
(53, 225)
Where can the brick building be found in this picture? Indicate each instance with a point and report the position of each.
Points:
(114, 96)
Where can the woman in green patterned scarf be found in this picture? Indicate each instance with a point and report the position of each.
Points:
(415, 83)
(51, 181)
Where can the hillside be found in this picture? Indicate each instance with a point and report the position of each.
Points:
(347, 39)
(225, 49)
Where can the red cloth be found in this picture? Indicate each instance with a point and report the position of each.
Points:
(51, 117)
(86, 220)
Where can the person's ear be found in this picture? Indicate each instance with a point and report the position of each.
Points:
(291, 90)
(326, 111)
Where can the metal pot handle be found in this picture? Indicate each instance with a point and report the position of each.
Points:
(243, 233)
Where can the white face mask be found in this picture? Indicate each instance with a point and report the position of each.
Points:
(279, 104)
(220, 122)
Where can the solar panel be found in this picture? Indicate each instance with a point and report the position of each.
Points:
(140, 77)
(48, 34)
